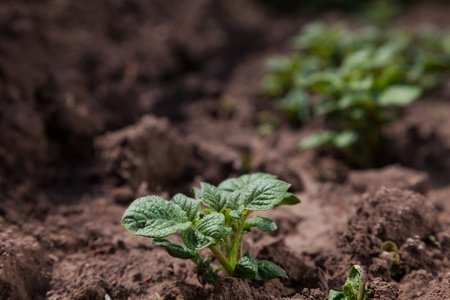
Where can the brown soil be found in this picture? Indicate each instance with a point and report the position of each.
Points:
(104, 101)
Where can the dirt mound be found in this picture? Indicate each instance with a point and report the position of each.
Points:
(24, 272)
(396, 215)
(393, 176)
(150, 151)
(94, 66)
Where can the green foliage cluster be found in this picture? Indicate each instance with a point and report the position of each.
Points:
(358, 80)
(220, 226)
(354, 287)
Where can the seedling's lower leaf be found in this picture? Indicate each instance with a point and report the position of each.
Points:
(263, 194)
(263, 224)
(154, 217)
(247, 267)
(335, 295)
(268, 270)
(190, 206)
(174, 249)
(212, 197)
(399, 95)
(212, 276)
(289, 199)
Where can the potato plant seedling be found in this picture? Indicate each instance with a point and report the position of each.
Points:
(220, 226)
(359, 81)
(354, 287)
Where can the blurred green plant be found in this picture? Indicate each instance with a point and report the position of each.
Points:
(358, 80)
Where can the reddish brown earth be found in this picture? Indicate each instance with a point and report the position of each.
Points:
(104, 101)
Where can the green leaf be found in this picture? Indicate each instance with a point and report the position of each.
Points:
(316, 140)
(364, 84)
(399, 95)
(358, 60)
(247, 267)
(195, 240)
(263, 194)
(212, 225)
(389, 246)
(352, 282)
(212, 196)
(296, 104)
(268, 270)
(235, 214)
(233, 200)
(174, 249)
(190, 206)
(354, 287)
(208, 231)
(345, 139)
(335, 295)
(234, 184)
(263, 224)
(154, 217)
(289, 199)
(197, 194)
(347, 290)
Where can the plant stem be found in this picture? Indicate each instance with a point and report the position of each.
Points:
(241, 248)
(223, 260)
(237, 241)
(234, 250)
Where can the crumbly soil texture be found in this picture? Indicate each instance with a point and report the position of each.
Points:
(106, 101)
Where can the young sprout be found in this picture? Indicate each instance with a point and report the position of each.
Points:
(392, 249)
(354, 287)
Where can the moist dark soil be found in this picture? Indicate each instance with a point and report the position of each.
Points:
(105, 101)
